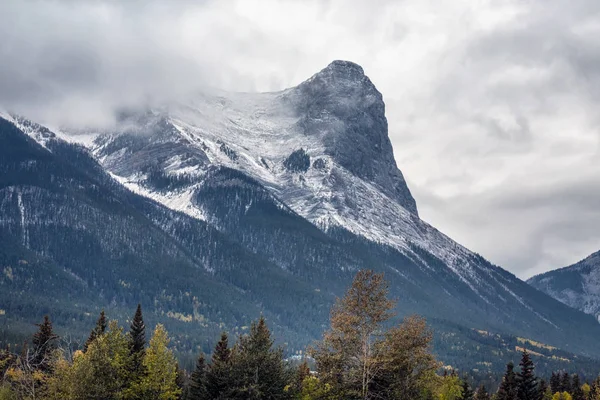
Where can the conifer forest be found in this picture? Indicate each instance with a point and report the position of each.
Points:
(361, 356)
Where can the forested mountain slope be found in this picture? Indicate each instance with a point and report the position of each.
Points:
(223, 206)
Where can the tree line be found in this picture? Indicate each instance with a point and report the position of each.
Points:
(361, 356)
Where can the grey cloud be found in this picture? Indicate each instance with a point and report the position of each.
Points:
(525, 228)
(62, 56)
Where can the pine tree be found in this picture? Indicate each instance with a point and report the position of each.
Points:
(219, 376)
(197, 386)
(555, 385)
(508, 388)
(97, 331)
(43, 345)
(259, 368)
(302, 373)
(482, 393)
(182, 382)
(137, 342)
(576, 389)
(565, 382)
(527, 382)
(467, 392)
(303, 370)
(542, 388)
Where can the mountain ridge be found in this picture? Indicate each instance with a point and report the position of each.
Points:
(271, 179)
(577, 285)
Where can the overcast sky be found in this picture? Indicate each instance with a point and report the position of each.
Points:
(493, 106)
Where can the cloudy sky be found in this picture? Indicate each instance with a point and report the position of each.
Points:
(493, 106)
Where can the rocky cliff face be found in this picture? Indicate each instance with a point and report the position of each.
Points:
(342, 107)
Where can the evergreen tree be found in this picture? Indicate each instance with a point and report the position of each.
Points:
(576, 389)
(197, 385)
(542, 389)
(43, 345)
(259, 369)
(555, 385)
(219, 376)
(182, 380)
(137, 342)
(527, 382)
(302, 373)
(467, 392)
(565, 382)
(508, 388)
(97, 331)
(482, 393)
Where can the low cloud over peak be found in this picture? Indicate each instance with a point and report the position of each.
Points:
(492, 106)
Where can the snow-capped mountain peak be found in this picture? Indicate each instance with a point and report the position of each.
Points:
(303, 182)
(321, 149)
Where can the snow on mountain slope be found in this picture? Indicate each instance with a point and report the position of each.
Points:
(37, 132)
(321, 148)
(577, 286)
(268, 169)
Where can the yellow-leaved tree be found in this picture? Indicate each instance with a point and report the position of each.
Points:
(160, 380)
(450, 388)
(562, 396)
(359, 359)
(102, 372)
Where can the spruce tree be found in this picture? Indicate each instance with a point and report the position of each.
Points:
(565, 382)
(467, 392)
(508, 388)
(302, 373)
(181, 381)
(43, 345)
(482, 393)
(219, 376)
(197, 387)
(542, 388)
(527, 382)
(555, 386)
(258, 367)
(97, 331)
(576, 389)
(137, 342)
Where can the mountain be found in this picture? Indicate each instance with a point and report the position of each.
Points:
(223, 206)
(577, 285)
